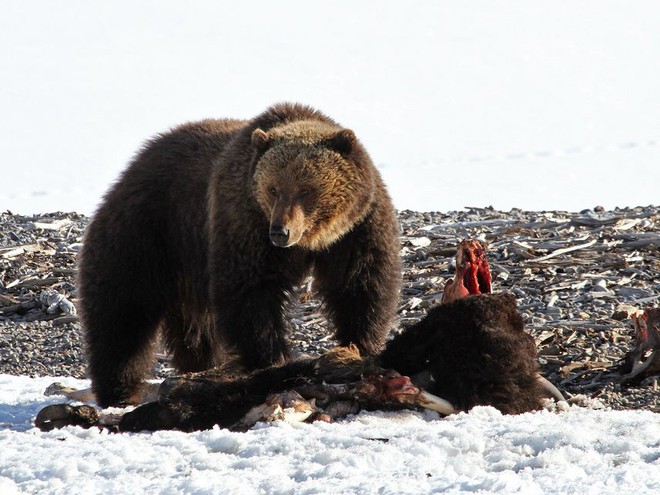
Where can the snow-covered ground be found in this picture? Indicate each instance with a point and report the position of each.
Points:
(581, 451)
(537, 105)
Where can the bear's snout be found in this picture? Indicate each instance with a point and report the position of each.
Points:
(279, 235)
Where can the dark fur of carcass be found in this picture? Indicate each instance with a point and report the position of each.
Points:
(471, 351)
(477, 352)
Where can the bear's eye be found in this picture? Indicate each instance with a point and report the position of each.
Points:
(273, 192)
(303, 193)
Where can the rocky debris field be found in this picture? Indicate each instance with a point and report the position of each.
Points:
(577, 278)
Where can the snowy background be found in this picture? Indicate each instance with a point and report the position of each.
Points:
(551, 105)
(536, 105)
(583, 451)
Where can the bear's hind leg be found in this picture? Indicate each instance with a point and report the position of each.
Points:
(120, 354)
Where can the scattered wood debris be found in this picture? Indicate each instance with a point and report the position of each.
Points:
(578, 278)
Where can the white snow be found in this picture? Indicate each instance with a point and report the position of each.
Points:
(536, 105)
(577, 451)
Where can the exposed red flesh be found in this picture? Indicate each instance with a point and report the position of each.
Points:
(644, 360)
(397, 385)
(472, 272)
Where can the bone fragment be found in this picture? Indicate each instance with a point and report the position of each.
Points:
(430, 401)
(549, 387)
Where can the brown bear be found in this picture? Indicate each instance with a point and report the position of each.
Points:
(209, 229)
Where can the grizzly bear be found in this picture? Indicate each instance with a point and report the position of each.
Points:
(211, 227)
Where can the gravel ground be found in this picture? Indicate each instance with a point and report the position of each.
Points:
(576, 276)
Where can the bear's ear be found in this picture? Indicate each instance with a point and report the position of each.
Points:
(342, 141)
(260, 140)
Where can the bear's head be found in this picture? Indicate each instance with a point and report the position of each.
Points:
(313, 181)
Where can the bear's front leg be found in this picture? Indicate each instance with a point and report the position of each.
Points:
(251, 320)
(359, 279)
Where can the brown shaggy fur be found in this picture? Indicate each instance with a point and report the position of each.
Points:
(181, 244)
